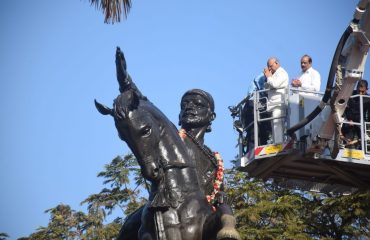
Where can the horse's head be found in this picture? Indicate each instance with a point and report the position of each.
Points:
(138, 129)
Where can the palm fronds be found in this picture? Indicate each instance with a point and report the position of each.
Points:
(112, 9)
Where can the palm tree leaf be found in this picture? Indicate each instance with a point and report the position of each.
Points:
(112, 9)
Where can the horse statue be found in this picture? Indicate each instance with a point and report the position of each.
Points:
(177, 208)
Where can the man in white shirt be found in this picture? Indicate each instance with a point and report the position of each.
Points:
(277, 81)
(309, 78)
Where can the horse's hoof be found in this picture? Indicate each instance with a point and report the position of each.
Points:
(228, 238)
(228, 231)
(228, 234)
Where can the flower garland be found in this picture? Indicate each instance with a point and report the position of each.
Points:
(219, 174)
(219, 178)
(182, 133)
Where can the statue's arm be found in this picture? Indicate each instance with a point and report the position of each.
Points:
(124, 79)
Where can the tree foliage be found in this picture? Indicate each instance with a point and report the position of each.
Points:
(339, 217)
(123, 185)
(119, 193)
(266, 211)
(263, 209)
(3, 236)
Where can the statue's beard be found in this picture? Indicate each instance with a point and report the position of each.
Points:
(194, 122)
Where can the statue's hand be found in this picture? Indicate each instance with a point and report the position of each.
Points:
(124, 79)
(122, 75)
(120, 59)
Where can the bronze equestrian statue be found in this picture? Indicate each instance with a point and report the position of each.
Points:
(185, 178)
(195, 118)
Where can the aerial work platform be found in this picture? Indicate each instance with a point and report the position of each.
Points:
(311, 172)
(307, 149)
(299, 162)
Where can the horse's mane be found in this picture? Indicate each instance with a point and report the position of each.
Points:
(129, 101)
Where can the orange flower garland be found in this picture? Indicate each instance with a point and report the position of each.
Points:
(219, 178)
(182, 133)
(219, 174)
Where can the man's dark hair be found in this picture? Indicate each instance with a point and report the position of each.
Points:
(362, 83)
(309, 58)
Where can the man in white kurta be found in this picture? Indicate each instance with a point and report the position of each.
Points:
(309, 79)
(277, 81)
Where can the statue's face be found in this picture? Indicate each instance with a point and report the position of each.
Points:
(195, 111)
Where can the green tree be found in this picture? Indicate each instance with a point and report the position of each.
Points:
(264, 210)
(3, 236)
(69, 224)
(119, 194)
(339, 217)
(66, 223)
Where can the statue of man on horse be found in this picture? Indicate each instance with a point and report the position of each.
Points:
(195, 118)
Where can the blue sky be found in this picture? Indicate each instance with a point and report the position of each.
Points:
(57, 56)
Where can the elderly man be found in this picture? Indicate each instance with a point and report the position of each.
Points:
(277, 81)
(309, 79)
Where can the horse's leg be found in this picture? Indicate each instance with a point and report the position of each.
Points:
(130, 227)
(147, 228)
(221, 224)
(186, 221)
(211, 226)
(193, 213)
(228, 223)
(172, 225)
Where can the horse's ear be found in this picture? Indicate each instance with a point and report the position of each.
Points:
(135, 100)
(103, 109)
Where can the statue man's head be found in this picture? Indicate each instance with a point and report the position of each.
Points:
(197, 110)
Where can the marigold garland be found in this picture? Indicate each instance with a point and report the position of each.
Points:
(219, 178)
(219, 174)
(182, 133)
